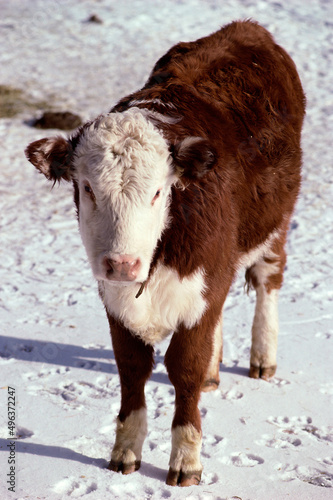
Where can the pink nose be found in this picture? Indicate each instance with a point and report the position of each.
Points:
(121, 267)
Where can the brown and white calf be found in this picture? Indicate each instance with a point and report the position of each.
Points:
(177, 187)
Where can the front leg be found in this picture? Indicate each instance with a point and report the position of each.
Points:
(130, 435)
(187, 360)
(135, 361)
(185, 467)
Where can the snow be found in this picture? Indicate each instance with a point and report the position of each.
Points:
(262, 441)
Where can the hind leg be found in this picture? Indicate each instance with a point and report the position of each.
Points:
(212, 380)
(266, 278)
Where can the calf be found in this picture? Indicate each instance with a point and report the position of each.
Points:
(176, 188)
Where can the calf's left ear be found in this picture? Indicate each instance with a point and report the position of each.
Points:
(193, 157)
(52, 156)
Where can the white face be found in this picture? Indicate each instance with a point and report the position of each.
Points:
(123, 171)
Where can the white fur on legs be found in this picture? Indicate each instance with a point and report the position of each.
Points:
(265, 331)
(212, 377)
(130, 435)
(185, 465)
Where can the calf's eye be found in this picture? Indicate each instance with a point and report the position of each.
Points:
(89, 191)
(158, 192)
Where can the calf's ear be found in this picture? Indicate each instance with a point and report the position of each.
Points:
(52, 156)
(193, 157)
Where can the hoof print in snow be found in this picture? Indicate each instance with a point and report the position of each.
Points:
(94, 19)
(23, 433)
(231, 395)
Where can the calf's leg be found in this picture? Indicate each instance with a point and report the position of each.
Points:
(187, 360)
(135, 361)
(212, 379)
(266, 277)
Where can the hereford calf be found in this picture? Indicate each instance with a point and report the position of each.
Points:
(181, 184)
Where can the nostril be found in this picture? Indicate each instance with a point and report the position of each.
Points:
(134, 267)
(108, 264)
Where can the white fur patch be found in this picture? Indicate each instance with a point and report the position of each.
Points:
(265, 269)
(265, 328)
(166, 302)
(214, 364)
(186, 447)
(250, 258)
(130, 436)
(136, 102)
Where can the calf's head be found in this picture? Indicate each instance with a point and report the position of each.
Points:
(122, 169)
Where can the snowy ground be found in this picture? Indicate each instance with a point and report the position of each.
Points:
(262, 441)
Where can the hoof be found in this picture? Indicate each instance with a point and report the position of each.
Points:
(262, 372)
(124, 468)
(178, 477)
(210, 385)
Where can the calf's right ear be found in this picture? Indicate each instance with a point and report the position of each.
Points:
(52, 156)
(193, 157)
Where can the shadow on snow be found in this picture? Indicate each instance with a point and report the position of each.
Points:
(97, 359)
(60, 452)
(52, 451)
